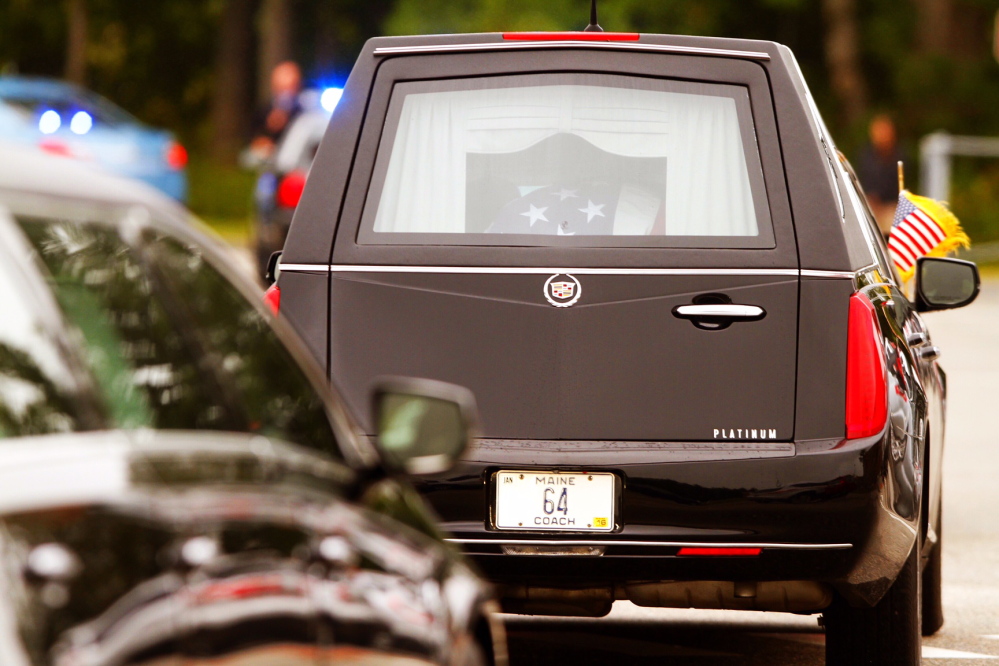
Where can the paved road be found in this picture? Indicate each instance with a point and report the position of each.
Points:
(638, 636)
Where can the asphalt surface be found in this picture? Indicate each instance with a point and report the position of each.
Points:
(638, 636)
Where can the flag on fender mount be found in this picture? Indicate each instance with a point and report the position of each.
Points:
(922, 227)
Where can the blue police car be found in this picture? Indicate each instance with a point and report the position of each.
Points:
(65, 119)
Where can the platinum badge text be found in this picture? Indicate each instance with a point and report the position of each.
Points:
(745, 433)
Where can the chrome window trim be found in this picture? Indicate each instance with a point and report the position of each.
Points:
(518, 270)
(653, 544)
(304, 268)
(827, 275)
(568, 44)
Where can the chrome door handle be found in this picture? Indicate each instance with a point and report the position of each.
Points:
(929, 353)
(917, 339)
(720, 311)
(718, 316)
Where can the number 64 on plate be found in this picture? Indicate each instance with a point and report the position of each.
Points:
(555, 501)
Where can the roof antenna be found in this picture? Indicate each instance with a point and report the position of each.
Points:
(594, 26)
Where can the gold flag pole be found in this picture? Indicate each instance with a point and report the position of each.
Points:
(901, 177)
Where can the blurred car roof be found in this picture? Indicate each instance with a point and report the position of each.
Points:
(28, 170)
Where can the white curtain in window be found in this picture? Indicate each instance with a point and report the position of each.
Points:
(707, 182)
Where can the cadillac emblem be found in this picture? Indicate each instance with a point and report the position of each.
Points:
(562, 290)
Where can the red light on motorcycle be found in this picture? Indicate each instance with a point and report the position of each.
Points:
(289, 191)
(866, 372)
(176, 156)
(571, 36)
(272, 297)
(719, 552)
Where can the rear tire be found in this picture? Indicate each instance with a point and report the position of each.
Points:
(887, 634)
(933, 616)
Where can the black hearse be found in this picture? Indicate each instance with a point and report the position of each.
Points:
(701, 381)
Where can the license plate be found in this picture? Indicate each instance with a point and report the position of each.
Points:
(554, 501)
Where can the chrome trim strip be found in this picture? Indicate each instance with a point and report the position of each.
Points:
(510, 454)
(847, 275)
(518, 270)
(304, 268)
(658, 544)
(534, 270)
(563, 44)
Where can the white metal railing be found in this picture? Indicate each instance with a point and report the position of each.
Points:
(936, 151)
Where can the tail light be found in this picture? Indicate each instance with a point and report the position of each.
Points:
(176, 156)
(866, 372)
(272, 297)
(55, 147)
(571, 36)
(289, 191)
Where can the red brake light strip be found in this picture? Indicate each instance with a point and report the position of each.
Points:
(571, 36)
(719, 552)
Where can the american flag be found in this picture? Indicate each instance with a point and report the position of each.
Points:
(914, 234)
(582, 209)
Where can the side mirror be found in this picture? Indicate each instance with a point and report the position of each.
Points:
(942, 284)
(273, 271)
(423, 426)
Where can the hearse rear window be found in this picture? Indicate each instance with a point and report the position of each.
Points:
(584, 160)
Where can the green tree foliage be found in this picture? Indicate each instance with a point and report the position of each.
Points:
(927, 62)
(32, 36)
(957, 89)
(153, 58)
(796, 23)
(156, 58)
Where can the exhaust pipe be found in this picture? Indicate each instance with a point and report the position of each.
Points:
(787, 596)
(525, 600)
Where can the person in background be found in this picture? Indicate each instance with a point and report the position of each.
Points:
(271, 121)
(878, 171)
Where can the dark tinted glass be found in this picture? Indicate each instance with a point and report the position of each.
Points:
(171, 344)
(38, 390)
(276, 397)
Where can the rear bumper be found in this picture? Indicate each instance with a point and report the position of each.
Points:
(842, 513)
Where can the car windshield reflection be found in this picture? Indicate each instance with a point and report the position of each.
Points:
(167, 340)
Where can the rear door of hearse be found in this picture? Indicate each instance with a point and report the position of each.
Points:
(597, 242)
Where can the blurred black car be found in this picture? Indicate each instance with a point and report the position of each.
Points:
(176, 484)
(282, 180)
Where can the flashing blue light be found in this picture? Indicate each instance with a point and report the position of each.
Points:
(330, 98)
(81, 123)
(49, 122)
